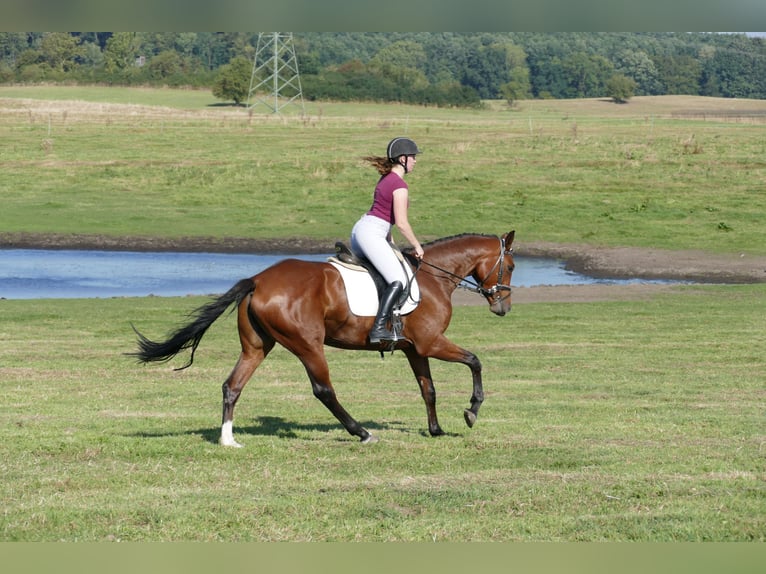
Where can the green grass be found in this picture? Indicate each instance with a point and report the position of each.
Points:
(672, 172)
(175, 98)
(617, 421)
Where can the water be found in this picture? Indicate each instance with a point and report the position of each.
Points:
(35, 274)
(54, 274)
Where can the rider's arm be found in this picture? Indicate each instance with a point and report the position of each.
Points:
(401, 205)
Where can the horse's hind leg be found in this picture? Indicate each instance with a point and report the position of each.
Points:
(232, 388)
(255, 347)
(319, 375)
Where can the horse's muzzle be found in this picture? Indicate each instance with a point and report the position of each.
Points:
(501, 306)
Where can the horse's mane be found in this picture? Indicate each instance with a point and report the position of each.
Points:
(447, 239)
(453, 237)
(408, 251)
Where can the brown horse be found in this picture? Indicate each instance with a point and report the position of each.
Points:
(303, 306)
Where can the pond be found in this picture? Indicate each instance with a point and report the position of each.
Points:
(53, 274)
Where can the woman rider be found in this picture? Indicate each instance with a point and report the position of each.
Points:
(371, 235)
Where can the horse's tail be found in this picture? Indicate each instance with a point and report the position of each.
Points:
(190, 335)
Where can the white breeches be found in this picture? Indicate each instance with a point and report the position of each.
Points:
(368, 238)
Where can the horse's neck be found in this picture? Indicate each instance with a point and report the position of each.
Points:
(456, 256)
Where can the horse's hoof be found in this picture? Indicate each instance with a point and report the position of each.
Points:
(470, 417)
(370, 439)
(232, 444)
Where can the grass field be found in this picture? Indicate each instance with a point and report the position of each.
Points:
(626, 421)
(611, 421)
(674, 172)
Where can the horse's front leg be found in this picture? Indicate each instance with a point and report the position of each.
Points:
(478, 389)
(445, 350)
(422, 371)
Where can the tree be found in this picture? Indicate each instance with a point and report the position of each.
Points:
(636, 64)
(736, 73)
(402, 54)
(11, 45)
(402, 63)
(59, 50)
(233, 80)
(92, 56)
(485, 69)
(165, 64)
(518, 86)
(679, 74)
(120, 51)
(418, 67)
(185, 42)
(586, 75)
(620, 88)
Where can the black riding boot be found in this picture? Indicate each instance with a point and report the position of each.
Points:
(379, 330)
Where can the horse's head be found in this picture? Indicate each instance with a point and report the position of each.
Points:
(493, 275)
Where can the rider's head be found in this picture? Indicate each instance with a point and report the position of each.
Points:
(398, 149)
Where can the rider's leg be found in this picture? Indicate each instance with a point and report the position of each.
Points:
(380, 331)
(370, 238)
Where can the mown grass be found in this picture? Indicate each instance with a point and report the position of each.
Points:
(603, 421)
(672, 172)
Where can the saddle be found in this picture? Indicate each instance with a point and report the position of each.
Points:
(345, 255)
(347, 258)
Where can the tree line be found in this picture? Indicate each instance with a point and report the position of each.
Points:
(445, 69)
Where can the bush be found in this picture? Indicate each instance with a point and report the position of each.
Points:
(620, 88)
(233, 81)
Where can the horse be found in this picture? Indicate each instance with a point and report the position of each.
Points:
(303, 306)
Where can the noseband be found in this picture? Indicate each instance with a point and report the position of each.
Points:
(479, 287)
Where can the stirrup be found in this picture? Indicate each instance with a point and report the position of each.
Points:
(391, 335)
(385, 337)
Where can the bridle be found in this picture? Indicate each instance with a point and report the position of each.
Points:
(479, 288)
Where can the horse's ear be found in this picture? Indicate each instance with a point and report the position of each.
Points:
(509, 237)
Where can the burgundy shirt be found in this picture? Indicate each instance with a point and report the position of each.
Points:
(383, 200)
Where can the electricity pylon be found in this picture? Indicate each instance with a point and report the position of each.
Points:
(275, 82)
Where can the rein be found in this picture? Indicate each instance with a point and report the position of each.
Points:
(473, 286)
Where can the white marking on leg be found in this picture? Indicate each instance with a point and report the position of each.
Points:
(227, 435)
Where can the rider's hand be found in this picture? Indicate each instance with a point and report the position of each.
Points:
(419, 252)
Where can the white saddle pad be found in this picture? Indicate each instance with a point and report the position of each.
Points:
(362, 294)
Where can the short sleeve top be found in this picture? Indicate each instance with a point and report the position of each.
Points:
(383, 199)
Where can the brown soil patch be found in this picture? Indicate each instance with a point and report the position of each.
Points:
(572, 293)
(615, 262)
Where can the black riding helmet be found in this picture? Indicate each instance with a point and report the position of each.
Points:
(398, 147)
